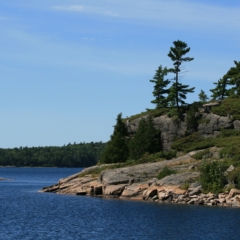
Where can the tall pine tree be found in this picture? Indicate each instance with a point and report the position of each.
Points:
(160, 91)
(176, 54)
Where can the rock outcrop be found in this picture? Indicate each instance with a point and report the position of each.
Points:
(209, 126)
(140, 172)
(178, 179)
(139, 183)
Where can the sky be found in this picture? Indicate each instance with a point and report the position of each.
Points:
(68, 68)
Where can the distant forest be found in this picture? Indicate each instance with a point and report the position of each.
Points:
(71, 155)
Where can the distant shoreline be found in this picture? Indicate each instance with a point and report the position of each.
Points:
(36, 167)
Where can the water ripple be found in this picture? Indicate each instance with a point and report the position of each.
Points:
(27, 214)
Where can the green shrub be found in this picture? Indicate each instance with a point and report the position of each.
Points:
(236, 158)
(212, 176)
(150, 112)
(229, 106)
(173, 113)
(229, 132)
(169, 155)
(155, 157)
(192, 142)
(230, 151)
(185, 186)
(166, 172)
(234, 177)
(201, 154)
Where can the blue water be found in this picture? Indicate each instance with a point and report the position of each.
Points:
(27, 214)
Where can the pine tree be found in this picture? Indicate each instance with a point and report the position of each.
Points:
(172, 95)
(233, 76)
(146, 139)
(117, 149)
(191, 117)
(160, 90)
(220, 91)
(203, 96)
(176, 54)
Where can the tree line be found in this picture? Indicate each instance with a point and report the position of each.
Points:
(71, 155)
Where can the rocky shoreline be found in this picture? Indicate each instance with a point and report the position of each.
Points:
(139, 183)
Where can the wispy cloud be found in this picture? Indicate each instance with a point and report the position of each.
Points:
(87, 9)
(172, 13)
(74, 8)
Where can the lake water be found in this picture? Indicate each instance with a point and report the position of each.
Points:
(27, 214)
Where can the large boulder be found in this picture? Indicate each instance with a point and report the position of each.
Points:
(236, 201)
(134, 190)
(113, 190)
(233, 192)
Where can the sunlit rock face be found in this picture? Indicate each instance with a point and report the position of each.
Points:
(170, 128)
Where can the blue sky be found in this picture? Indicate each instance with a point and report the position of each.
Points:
(69, 67)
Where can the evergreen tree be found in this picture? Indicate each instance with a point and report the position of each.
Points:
(160, 90)
(116, 149)
(233, 76)
(203, 96)
(176, 54)
(171, 95)
(146, 139)
(220, 91)
(192, 117)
